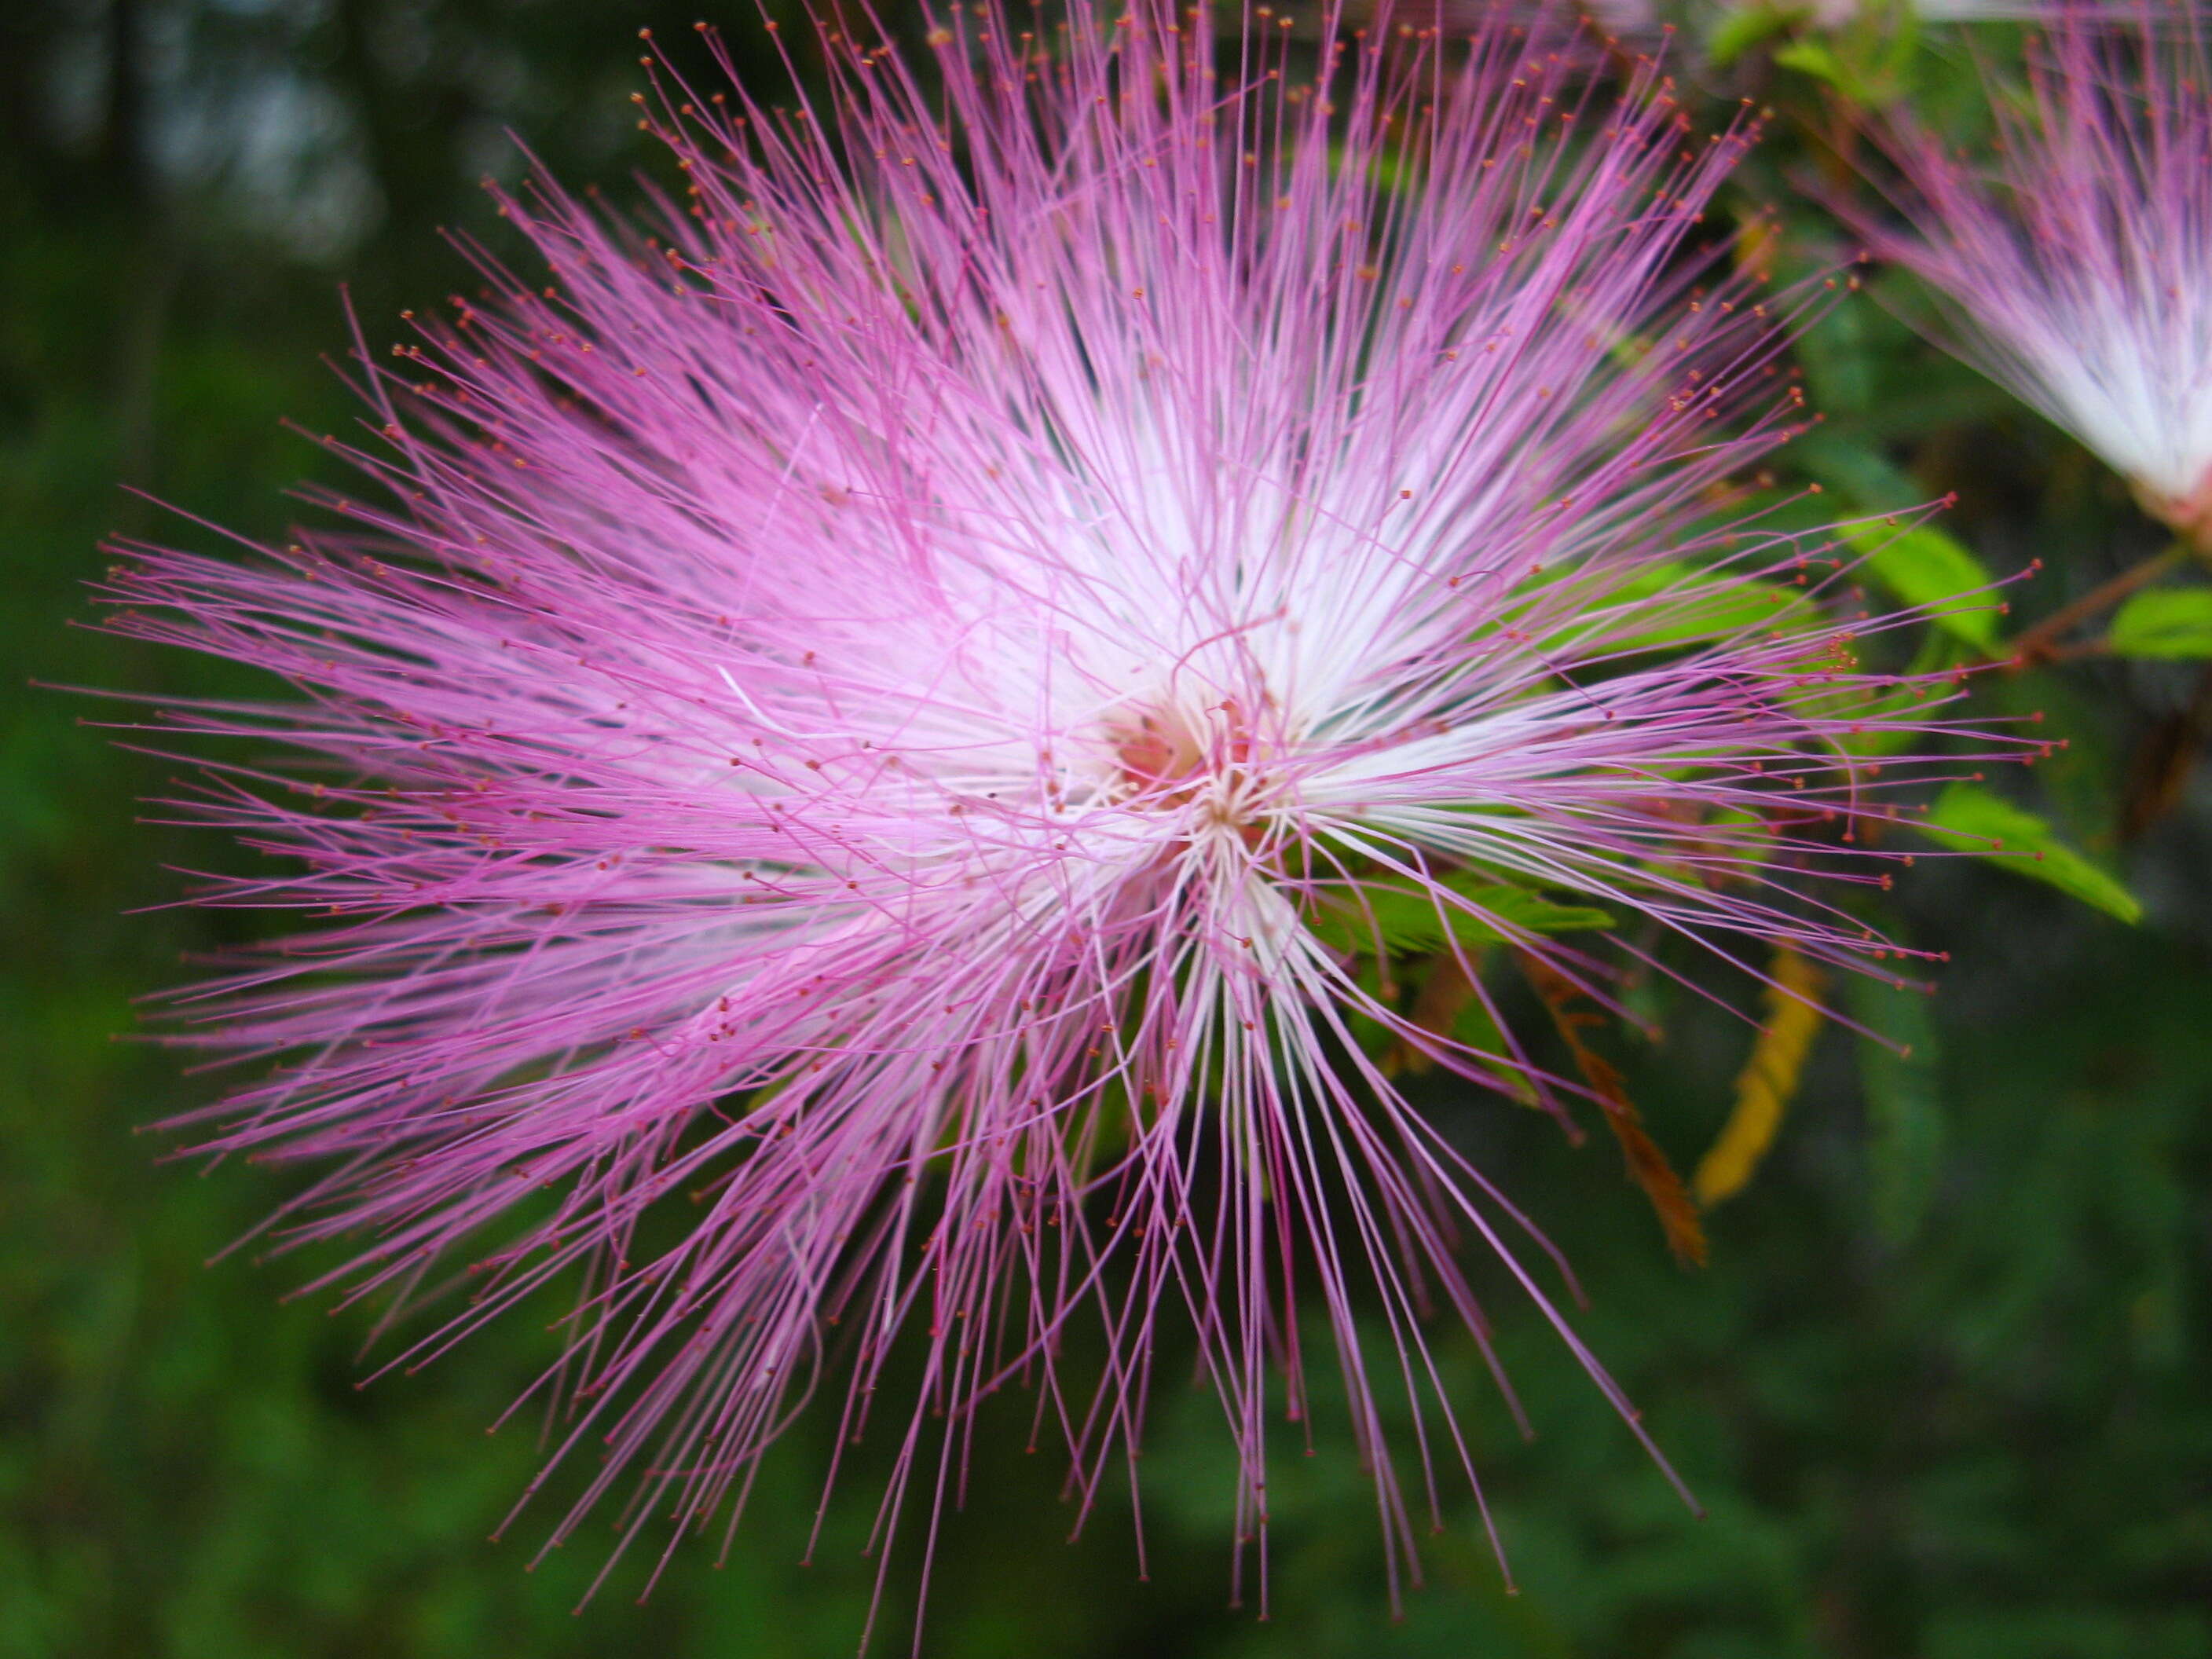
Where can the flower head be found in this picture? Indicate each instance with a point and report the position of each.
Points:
(913, 714)
(2078, 271)
(1645, 21)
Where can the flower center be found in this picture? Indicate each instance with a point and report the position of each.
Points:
(1166, 759)
(2190, 516)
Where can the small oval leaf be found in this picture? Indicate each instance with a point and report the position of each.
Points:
(1768, 1081)
(1975, 820)
(2164, 622)
(1923, 565)
(1410, 920)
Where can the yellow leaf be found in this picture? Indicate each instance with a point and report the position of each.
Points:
(1768, 1080)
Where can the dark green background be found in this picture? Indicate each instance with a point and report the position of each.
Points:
(1990, 1441)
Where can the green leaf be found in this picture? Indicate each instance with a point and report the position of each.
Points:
(1923, 565)
(1689, 603)
(2164, 622)
(1867, 61)
(1521, 908)
(1811, 57)
(1410, 921)
(1905, 1120)
(1671, 603)
(1976, 820)
(1741, 28)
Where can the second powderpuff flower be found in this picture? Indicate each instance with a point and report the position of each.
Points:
(2077, 269)
(909, 716)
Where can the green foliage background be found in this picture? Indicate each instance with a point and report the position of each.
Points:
(1987, 1435)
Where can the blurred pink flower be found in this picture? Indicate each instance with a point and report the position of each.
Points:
(876, 715)
(2077, 270)
(1645, 21)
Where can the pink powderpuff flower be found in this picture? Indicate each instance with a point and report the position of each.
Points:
(1840, 14)
(2077, 270)
(884, 717)
(1643, 25)
(1645, 22)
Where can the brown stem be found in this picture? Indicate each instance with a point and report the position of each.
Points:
(2039, 643)
(2058, 655)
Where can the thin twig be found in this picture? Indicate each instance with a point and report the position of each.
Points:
(2040, 642)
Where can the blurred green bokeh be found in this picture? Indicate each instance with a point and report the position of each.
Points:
(1993, 1441)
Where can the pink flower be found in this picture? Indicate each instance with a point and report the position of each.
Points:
(2078, 269)
(1645, 21)
(893, 717)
